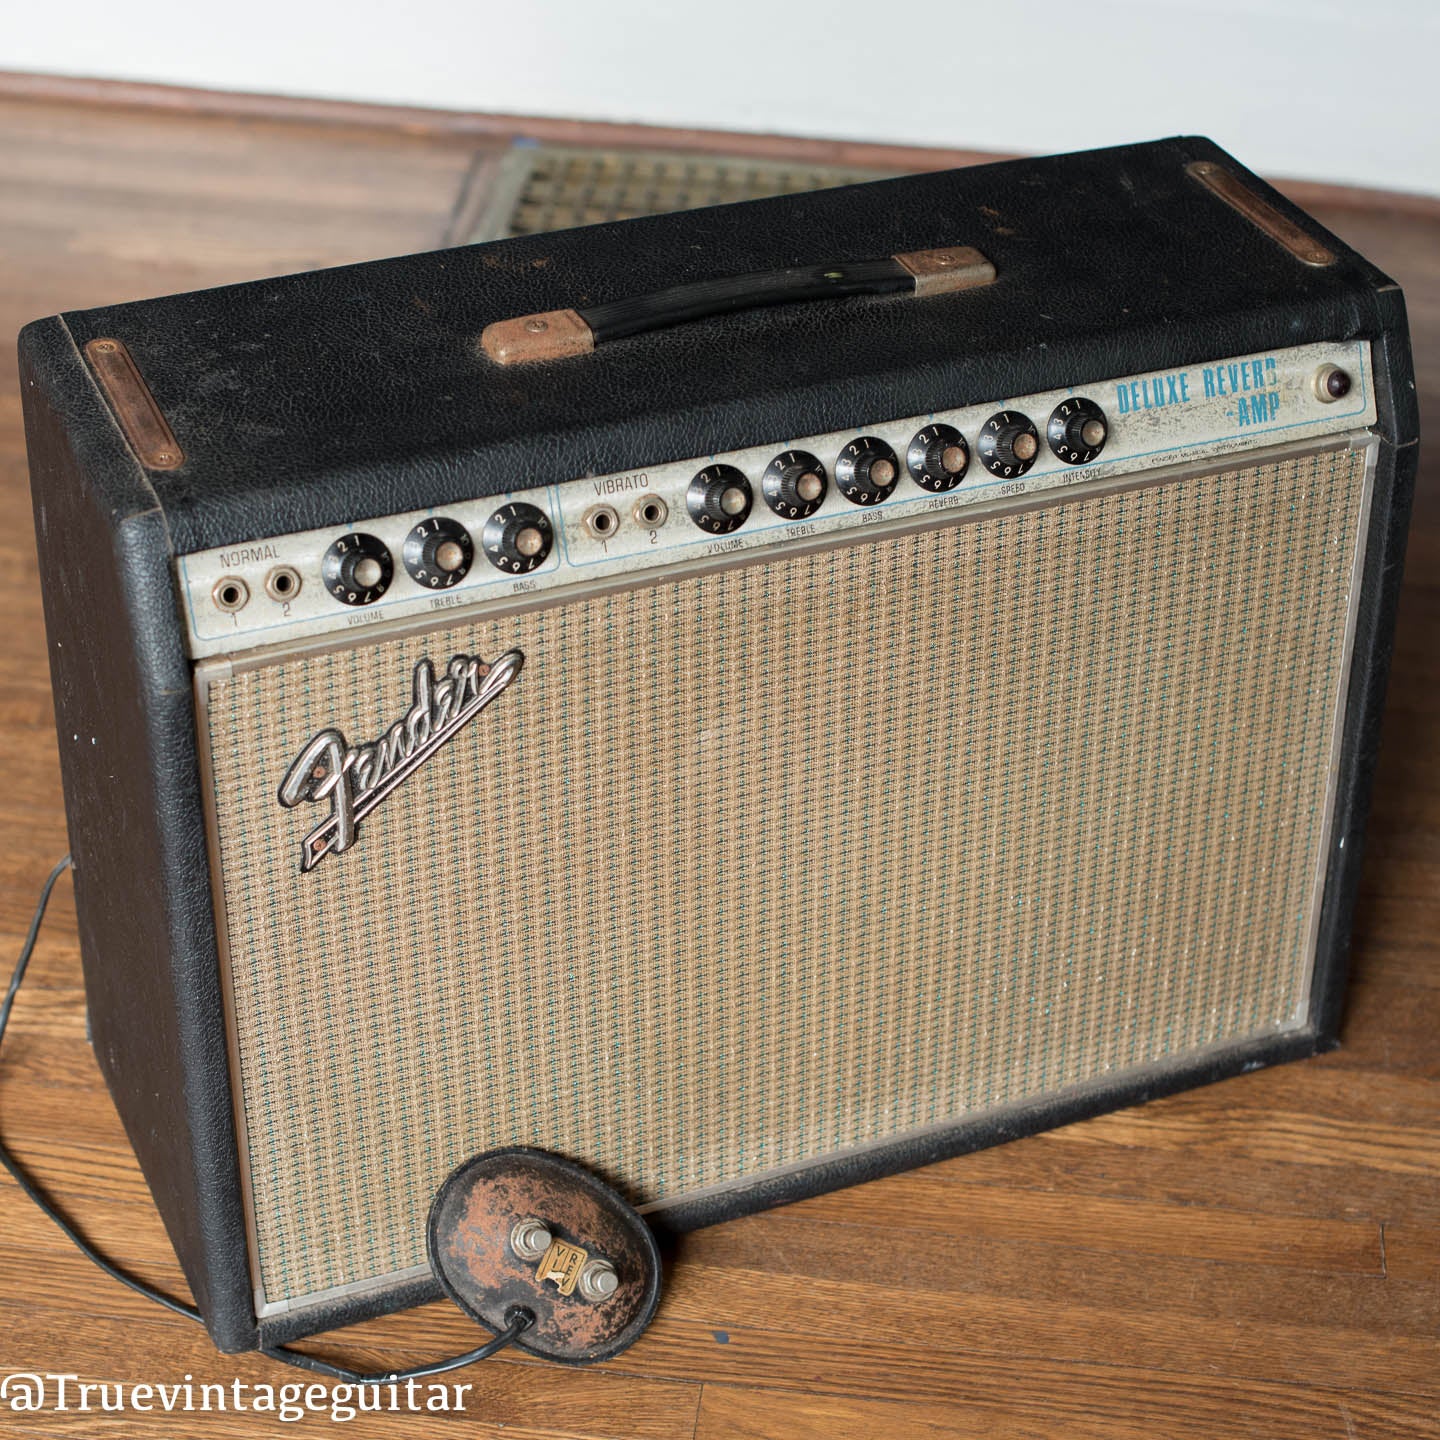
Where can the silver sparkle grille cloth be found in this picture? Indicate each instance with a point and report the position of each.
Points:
(755, 866)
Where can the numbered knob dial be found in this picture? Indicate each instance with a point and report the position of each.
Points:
(517, 538)
(867, 471)
(719, 499)
(1077, 430)
(937, 458)
(1008, 444)
(438, 552)
(794, 485)
(357, 569)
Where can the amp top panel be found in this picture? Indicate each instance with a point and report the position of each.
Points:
(885, 471)
(290, 399)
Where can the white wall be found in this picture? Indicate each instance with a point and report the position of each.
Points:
(1343, 90)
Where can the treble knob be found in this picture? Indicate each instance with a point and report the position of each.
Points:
(517, 538)
(1008, 444)
(794, 485)
(437, 553)
(937, 458)
(867, 471)
(719, 499)
(1077, 430)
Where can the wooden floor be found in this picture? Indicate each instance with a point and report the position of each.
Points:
(1258, 1259)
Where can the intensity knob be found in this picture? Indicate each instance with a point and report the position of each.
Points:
(517, 538)
(1077, 430)
(719, 499)
(357, 569)
(867, 471)
(1008, 444)
(438, 552)
(794, 485)
(937, 458)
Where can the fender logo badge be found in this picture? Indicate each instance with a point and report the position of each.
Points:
(356, 780)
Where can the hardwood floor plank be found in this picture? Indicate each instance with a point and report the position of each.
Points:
(924, 1202)
(1155, 1314)
(730, 1413)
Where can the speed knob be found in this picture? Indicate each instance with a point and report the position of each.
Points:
(937, 458)
(517, 538)
(1077, 430)
(867, 471)
(357, 569)
(719, 499)
(794, 485)
(438, 552)
(1008, 444)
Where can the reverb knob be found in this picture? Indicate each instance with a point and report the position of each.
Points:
(794, 484)
(719, 499)
(437, 553)
(357, 569)
(937, 458)
(1008, 444)
(867, 471)
(1077, 430)
(517, 538)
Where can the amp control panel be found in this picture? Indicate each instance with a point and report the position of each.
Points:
(790, 490)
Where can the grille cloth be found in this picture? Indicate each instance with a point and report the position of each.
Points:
(751, 867)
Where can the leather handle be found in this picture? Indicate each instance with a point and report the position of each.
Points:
(556, 334)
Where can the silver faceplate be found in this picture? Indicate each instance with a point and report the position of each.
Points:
(1196, 413)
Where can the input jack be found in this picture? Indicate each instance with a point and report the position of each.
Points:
(601, 522)
(282, 583)
(651, 512)
(230, 594)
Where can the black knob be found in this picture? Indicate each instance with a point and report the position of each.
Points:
(719, 499)
(357, 569)
(1077, 430)
(937, 458)
(794, 485)
(867, 471)
(1008, 444)
(517, 538)
(438, 552)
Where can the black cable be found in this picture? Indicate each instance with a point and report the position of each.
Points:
(518, 1319)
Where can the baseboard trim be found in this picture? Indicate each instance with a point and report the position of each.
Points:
(417, 120)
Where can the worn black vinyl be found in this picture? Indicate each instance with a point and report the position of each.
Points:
(324, 398)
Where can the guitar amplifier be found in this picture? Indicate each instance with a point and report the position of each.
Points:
(748, 700)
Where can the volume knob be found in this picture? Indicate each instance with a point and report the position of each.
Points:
(357, 569)
(794, 485)
(1077, 430)
(719, 499)
(1008, 444)
(937, 458)
(867, 471)
(517, 538)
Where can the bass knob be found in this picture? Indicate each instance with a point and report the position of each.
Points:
(517, 538)
(867, 471)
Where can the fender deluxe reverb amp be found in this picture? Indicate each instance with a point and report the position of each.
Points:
(746, 701)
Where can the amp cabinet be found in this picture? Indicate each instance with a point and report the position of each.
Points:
(749, 700)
